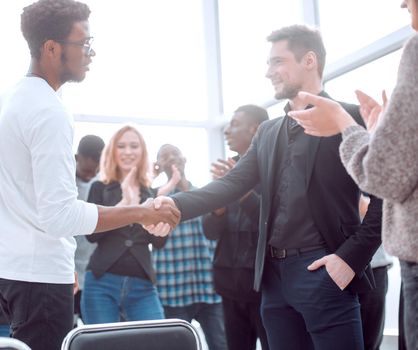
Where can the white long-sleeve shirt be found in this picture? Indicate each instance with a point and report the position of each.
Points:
(39, 210)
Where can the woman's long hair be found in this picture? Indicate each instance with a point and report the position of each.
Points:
(109, 169)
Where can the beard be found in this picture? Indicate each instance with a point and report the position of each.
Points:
(288, 92)
(66, 74)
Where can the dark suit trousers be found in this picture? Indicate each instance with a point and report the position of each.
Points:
(304, 310)
(243, 325)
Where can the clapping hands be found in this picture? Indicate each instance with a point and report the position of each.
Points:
(130, 189)
(370, 109)
(172, 182)
(219, 169)
(328, 118)
(222, 167)
(325, 118)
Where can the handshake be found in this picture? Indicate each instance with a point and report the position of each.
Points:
(159, 215)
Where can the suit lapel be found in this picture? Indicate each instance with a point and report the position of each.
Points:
(274, 158)
(312, 150)
(112, 193)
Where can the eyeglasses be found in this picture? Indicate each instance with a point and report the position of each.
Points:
(86, 44)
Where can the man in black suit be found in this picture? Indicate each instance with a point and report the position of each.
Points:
(313, 252)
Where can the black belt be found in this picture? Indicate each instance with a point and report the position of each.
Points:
(277, 253)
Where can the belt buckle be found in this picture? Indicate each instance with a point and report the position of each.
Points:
(277, 253)
(281, 253)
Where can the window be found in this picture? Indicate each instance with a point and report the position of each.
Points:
(347, 26)
(15, 53)
(150, 59)
(244, 27)
(371, 78)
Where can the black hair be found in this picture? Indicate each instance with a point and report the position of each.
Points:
(91, 146)
(255, 114)
(50, 20)
(168, 145)
(302, 39)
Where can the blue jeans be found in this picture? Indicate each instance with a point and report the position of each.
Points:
(4, 330)
(409, 275)
(114, 298)
(303, 310)
(210, 317)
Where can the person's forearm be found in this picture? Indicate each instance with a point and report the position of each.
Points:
(115, 217)
(166, 189)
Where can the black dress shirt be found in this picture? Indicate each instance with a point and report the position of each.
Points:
(293, 225)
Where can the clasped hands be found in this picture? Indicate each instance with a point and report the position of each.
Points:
(161, 215)
(158, 216)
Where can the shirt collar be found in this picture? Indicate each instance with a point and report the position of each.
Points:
(287, 106)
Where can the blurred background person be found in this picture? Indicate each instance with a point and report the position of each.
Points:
(119, 282)
(235, 228)
(87, 163)
(373, 302)
(184, 265)
(87, 166)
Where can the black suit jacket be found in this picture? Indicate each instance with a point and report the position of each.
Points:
(113, 244)
(332, 195)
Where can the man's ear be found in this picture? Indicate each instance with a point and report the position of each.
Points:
(253, 128)
(310, 60)
(51, 49)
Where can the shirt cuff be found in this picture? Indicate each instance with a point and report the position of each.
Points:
(91, 217)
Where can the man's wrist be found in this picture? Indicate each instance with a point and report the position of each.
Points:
(136, 212)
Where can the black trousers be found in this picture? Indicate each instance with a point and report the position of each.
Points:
(305, 310)
(243, 325)
(40, 314)
(372, 308)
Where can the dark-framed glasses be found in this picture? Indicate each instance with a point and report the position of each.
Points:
(86, 44)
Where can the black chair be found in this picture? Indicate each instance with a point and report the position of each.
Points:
(173, 334)
(12, 344)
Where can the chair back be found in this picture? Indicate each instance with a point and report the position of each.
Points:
(173, 334)
(12, 344)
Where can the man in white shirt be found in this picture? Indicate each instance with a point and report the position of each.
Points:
(39, 210)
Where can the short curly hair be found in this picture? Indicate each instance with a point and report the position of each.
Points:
(50, 20)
